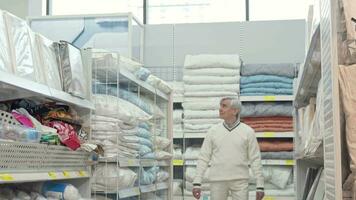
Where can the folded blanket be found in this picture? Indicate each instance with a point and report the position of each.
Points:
(210, 94)
(201, 105)
(212, 72)
(198, 126)
(265, 91)
(212, 87)
(202, 121)
(266, 109)
(271, 128)
(215, 100)
(212, 61)
(268, 119)
(265, 78)
(282, 69)
(283, 155)
(275, 145)
(205, 114)
(196, 79)
(262, 85)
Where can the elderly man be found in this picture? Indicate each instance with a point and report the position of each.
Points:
(230, 147)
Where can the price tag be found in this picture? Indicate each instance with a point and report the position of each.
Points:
(130, 162)
(269, 98)
(269, 134)
(6, 177)
(66, 174)
(178, 162)
(82, 173)
(52, 175)
(136, 190)
(289, 162)
(268, 198)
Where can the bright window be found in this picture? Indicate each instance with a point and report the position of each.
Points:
(75, 7)
(277, 9)
(194, 11)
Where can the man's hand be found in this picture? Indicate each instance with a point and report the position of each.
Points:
(196, 192)
(259, 195)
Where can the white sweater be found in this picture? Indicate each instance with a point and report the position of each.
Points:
(230, 153)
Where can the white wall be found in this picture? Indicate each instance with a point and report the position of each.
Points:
(24, 8)
(256, 42)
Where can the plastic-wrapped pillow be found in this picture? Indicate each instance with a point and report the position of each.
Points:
(177, 116)
(161, 142)
(162, 155)
(144, 150)
(143, 133)
(111, 177)
(150, 155)
(22, 40)
(159, 84)
(144, 125)
(129, 64)
(162, 176)
(133, 98)
(5, 60)
(111, 106)
(148, 176)
(142, 73)
(48, 55)
(192, 153)
(177, 188)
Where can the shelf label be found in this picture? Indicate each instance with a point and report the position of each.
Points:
(82, 173)
(130, 162)
(268, 198)
(269, 98)
(52, 175)
(66, 174)
(269, 134)
(178, 162)
(6, 177)
(136, 190)
(289, 162)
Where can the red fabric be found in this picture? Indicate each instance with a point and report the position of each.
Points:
(277, 124)
(66, 133)
(267, 119)
(275, 145)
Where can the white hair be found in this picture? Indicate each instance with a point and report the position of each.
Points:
(234, 102)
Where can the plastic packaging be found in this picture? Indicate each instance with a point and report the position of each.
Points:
(21, 42)
(72, 72)
(62, 191)
(49, 61)
(19, 133)
(5, 60)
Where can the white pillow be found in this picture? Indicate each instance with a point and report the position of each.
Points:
(212, 61)
(162, 155)
(114, 107)
(161, 142)
(162, 176)
(112, 177)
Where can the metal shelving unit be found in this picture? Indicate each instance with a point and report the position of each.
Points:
(120, 77)
(331, 152)
(39, 162)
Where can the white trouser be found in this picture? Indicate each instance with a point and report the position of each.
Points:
(219, 190)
